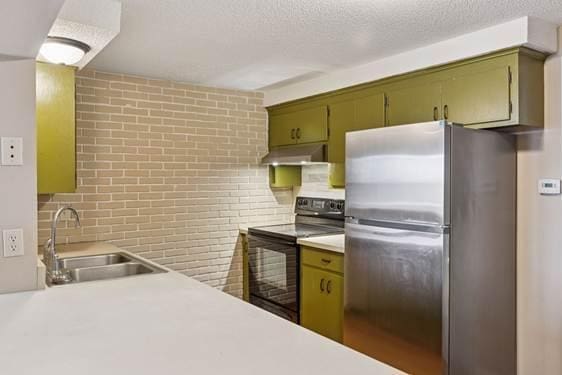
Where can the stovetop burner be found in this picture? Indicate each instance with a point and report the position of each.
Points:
(315, 217)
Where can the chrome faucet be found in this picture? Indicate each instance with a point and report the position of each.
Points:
(56, 274)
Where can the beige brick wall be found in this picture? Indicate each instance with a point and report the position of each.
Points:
(315, 183)
(169, 171)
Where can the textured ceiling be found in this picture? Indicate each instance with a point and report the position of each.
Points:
(250, 44)
(95, 23)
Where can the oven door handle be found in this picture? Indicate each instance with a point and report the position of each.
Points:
(270, 240)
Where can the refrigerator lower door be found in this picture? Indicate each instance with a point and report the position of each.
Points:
(394, 296)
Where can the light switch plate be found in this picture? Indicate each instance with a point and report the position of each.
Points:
(12, 150)
(13, 242)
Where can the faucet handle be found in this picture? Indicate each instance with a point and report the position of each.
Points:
(47, 246)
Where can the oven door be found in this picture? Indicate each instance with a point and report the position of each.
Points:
(274, 273)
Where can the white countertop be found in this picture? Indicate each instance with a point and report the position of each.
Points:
(159, 324)
(335, 242)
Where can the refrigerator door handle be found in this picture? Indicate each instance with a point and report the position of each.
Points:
(416, 227)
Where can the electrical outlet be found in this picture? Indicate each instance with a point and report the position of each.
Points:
(12, 151)
(13, 242)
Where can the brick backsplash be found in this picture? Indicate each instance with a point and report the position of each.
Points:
(315, 183)
(169, 171)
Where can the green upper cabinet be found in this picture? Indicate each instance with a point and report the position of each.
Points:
(355, 114)
(282, 130)
(479, 97)
(56, 129)
(369, 111)
(497, 91)
(342, 118)
(500, 90)
(308, 125)
(413, 102)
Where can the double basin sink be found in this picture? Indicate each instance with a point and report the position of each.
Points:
(105, 266)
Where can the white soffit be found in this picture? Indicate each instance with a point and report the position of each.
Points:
(95, 23)
(525, 31)
(24, 24)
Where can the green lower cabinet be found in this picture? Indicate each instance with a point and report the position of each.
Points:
(284, 176)
(322, 301)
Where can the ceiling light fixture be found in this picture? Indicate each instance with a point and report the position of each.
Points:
(59, 50)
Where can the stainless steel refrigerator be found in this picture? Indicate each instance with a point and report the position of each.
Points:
(430, 248)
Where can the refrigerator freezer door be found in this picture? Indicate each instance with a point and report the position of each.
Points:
(398, 173)
(393, 296)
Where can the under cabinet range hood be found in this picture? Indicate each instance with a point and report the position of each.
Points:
(296, 155)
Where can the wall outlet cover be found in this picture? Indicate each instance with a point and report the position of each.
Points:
(13, 242)
(12, 150)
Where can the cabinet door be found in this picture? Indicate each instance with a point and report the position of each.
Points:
(369, 112)
(56, 129)
(305, 126)
(282, 129)
(312, 125)
(410, 105)
(355, 114)
(334, 304)
(342, 119)
(322, 302)
(478, 98)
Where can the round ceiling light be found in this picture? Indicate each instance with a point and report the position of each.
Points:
(58, 50)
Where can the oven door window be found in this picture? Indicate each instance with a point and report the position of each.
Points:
(274, 271)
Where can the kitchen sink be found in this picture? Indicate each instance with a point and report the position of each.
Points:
(105, 266)
(93, 261)
(111, 271)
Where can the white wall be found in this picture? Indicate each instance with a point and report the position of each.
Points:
(18, 187)
(539, 239)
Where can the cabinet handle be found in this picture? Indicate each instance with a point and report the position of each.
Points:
(298, 133)
(329, 286)
(327, 261)
(322, 285)
(435, 113)
(293, 133)
(446, 112)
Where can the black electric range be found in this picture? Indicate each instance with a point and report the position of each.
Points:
(274, 255)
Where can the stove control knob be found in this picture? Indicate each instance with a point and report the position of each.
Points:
(332, 205)
(340, 206)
